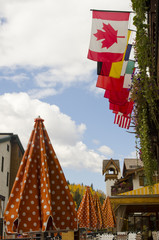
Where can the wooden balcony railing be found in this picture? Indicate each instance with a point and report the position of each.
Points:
(118, 189)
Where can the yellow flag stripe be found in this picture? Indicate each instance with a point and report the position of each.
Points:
(116, 67)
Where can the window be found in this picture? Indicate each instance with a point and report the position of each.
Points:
(142, 180)
(7, 179)
(111, 171)
(8, 147)
(134, 166)
(2, 164)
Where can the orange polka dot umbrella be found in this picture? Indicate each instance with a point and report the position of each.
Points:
(108, 213)
(40, 199)
(101, 223)
(86, 212)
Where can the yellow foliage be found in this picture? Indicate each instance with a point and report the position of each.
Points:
(78, 190)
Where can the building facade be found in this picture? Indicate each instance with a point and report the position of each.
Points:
(111, 170)
(135, 204)
(11, 153)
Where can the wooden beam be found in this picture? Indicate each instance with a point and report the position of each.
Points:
(136, 199)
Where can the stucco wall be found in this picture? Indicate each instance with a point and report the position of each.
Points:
(136, 183)
(109, 183)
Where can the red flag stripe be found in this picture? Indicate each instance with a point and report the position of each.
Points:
(127, 123)
(117, 16)
(116, 119)
(105, 56)
(122, 121)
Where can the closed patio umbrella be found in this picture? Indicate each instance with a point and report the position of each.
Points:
(40, 199)
(101, 221)
(108, 213)
(86, 212)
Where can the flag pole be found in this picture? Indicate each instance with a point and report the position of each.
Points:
(111, 11)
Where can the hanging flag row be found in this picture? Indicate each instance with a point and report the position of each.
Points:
(111, 46)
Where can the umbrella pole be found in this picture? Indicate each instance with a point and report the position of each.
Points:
(42, 236)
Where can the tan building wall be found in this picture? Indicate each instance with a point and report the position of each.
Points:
(11, 152)
(136, 182)
(109, 183)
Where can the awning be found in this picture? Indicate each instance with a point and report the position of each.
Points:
(143, 191)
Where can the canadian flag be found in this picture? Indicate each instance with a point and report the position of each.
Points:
(108, 36)
(122, 121)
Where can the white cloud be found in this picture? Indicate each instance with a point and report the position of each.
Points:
(18, 109)
(45, 32)
(44, 44)
(96, 141)
(17, 113)
(50, 33)
(79, 157)
(42, 93)
(61, 75)
(19, 78)
(106, 150)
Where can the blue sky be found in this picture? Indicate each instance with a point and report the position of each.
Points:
(44, 71)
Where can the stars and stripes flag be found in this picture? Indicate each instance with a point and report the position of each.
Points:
(122, 121)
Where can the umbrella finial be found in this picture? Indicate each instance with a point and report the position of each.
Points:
(38, 119)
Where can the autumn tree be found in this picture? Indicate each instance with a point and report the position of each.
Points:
(78, 190)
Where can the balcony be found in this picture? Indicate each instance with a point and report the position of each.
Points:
(121, 188)
(110, 176)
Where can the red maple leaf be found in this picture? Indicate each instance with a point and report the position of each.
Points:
(109, 35)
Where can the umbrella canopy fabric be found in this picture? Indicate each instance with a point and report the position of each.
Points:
(86, 212)
(40, 199)
(108, 213)
(101, 221)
